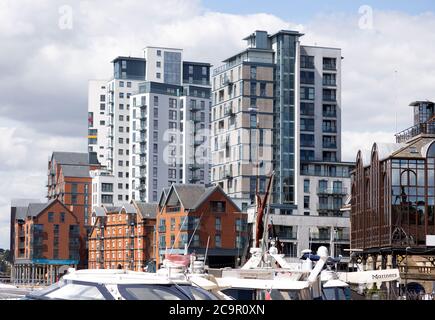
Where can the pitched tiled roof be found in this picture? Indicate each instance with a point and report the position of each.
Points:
(188, 194)
(74, 158)
(147, 210)
(36, 208)
(75, 171)
(100, 212)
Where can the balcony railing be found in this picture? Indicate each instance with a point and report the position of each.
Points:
(342, 237)
(422, 128)
(315, 236)
(330, 145)
(330, 114)
(329, 129)
(287, 235)
(332, 191)
(328, 206)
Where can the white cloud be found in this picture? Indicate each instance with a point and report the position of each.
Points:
(45, 70)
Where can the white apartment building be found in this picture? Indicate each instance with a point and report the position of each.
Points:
(98, 119)
(170, 124)
(112, 129)
(103, 189)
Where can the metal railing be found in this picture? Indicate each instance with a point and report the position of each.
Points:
(422, 128)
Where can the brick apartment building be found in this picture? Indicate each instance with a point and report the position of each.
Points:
(123, 237)
(70, 182)
(46, 242)
(194, 216)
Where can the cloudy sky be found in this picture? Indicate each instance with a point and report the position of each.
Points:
(50, 49)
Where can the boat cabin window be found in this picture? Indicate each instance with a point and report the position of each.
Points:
(150, 292)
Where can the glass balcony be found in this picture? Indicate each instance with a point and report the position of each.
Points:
(332, 191)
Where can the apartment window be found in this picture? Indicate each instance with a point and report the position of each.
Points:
(329, 126)
(120, 174)
(121, 140)
(74, 199)
(329, 142)
(154, 172)
(307, 109)
(323, 185)
(102, 123)
(156, 101)
(120, 197)
(217, 240)
(102, 98)
(121, 118)
(62, 217)
(154, 195)
(307, 77)
(204, 71)
(155, 135)
(253, 91)
(120, 152)
(307, 140)
(121, 106)
(102, 106)
(107, 187)
(156, 112)
(155, 160)
(307, 155)
(307, 124)
(50, 217)
(329, 63)
(128, 84)
(121, 129)
(218, 206)
(120, 186)
(158, 75)
(121, 83)
(329, 95)
(329, 79)
(218, 223)
(253, 120)
(156, 124)
(306, 202)
(307, 93)
(262, 89)
(158, 64)
(121, 94)
(307, 186)
(172, 115)
(155, 148)
(159, 53)
(307, 62)
(253, 102)
(172, 173)
(253, 72)
(330, 110)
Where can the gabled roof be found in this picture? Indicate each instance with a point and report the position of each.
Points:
(129, 208)
(73, 158)
(147, 210)
(75, 171)
(112, 209)
(21, 212)
(187, 194)
(191, 196)
(36, 208)
(163, 196)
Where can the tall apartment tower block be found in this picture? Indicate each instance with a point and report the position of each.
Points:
(277, 108)
(149, 125)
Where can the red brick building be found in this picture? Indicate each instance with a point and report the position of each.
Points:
(46, 238)
(192, 215)
(70, 182)
(122, 237)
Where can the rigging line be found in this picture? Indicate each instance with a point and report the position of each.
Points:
(178, 233)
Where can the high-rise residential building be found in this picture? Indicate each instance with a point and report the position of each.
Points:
(98, 119)
(165, 133)
(170, 117)
(277, 108)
